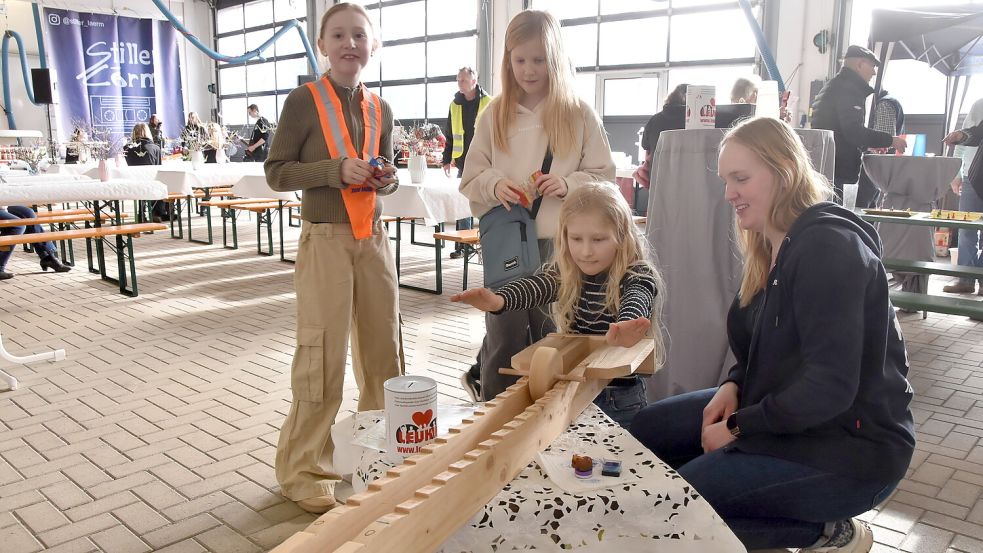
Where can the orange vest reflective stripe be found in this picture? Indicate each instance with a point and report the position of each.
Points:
(359, 198)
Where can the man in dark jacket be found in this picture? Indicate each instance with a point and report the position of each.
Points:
(672, 117)
(259, 143)
(839, 107)
(468, 104)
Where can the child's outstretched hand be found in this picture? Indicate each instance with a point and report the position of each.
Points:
(627, 333)
(481, 298)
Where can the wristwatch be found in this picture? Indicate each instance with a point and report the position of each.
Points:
(732, 425)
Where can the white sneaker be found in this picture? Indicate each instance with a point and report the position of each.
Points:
(471, 386)
(862, 542)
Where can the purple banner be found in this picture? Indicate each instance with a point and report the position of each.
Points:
(113, 72)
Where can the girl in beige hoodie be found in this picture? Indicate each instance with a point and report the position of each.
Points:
(536, 110)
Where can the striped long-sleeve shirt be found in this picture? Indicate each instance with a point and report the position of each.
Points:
(637, 297)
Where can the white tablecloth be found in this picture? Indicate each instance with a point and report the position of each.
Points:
(23, 176)
(626, 173)
(691, 236)
(659, 511)
(47, 190)
(437, 199)
(184, 179)
(255, 186)
(179, 176)
(910, 183)
(73, 168)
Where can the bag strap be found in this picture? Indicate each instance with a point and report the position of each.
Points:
(547, 163)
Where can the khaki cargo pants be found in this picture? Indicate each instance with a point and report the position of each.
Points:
(344, 287)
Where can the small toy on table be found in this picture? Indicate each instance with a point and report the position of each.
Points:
(611, 467)
(583, 466)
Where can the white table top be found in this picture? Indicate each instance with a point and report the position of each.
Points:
(179, 176)
(45, 189)
(255, 186)
(625, 173)
(657, 511)
(437, 199)
(185, 178)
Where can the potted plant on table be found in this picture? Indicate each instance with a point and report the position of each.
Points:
(104, 144)
(194, 143)
(33, 155)
(420, 142)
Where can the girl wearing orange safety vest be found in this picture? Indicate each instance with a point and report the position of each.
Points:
(345, 277)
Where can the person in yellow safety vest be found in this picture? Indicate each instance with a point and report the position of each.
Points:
(466, 108)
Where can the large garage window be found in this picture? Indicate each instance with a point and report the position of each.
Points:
(424, 43)
(264, 82)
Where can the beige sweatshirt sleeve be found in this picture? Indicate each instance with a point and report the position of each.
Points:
(596, 163)
(479, 178)
(298, 125)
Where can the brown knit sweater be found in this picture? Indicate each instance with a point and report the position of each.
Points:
(299, 158)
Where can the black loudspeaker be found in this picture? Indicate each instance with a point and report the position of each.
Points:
(41, 82)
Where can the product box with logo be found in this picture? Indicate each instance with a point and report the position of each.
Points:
(701, 107)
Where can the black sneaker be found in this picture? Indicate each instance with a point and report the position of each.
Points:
(457, 254)
(471, 385)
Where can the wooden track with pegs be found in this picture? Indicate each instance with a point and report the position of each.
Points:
(416, 506)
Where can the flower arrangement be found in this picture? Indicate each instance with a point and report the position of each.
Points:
(32, 155)
(103, 143)
(194, 141)
(425, 139)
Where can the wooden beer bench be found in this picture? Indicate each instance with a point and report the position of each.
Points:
(124, 252)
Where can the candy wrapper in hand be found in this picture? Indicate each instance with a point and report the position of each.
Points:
(527, 191)
(378, 165)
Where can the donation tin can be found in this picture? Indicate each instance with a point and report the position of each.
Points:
(411, 414)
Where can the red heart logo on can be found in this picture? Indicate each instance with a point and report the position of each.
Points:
(423, 419)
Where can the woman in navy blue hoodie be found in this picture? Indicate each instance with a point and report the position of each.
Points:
(812, 425)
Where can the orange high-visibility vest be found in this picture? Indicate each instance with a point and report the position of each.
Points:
(359, 198)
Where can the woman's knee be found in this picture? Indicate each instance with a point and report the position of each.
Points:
(670, 428)
(21, 211)
(10, 231)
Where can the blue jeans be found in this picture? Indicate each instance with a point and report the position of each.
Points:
(622, 403)
(767, 502)
(969, 240)
(43, 249)
(463, 224)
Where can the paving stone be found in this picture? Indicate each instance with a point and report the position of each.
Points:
(927, 539)
(140, 517)
(41, 516)
(226, 540)
(20, 539)
(119, 539)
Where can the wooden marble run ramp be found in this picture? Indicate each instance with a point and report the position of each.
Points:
(416, 506)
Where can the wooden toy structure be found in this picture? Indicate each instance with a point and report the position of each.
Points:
(416, 506)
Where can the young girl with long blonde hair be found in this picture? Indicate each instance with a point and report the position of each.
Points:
(537, 112)
(600, 283)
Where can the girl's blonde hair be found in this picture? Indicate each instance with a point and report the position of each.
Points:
(193, 118)
(560, 110)
(797, 187)
(140, 130)
(216, 135)
(605, 199)
(355, 8)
